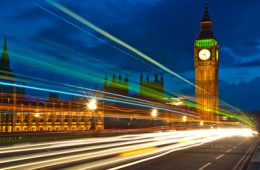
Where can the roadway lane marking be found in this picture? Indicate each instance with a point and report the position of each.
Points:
(204, 166)
(219, 156)
(237, 145)
(228, 150)
(244, 158)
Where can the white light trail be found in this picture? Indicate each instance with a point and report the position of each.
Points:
(109, 36)
(120, 148)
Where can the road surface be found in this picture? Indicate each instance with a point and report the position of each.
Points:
(224, 154)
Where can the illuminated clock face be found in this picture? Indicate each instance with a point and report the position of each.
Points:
(204, 54)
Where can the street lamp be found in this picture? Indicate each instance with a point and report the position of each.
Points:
(184, 118)
(154, 113)
(92, 104)
(37, 115)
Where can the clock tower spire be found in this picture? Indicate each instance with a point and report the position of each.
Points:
(206, 25)
(206, 69)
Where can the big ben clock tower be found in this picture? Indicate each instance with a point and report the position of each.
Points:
(206, 61)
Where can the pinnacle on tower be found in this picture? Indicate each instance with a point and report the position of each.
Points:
(126, 79)
(162, 81)
(147, 79)
(141, 78)
(106, 84)
(156, 78)
(206, 25)
(206, 17)
(119, 78)
(5, 43)
(114, 78)
(5, 63)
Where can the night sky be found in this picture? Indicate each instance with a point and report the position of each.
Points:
(40, 38)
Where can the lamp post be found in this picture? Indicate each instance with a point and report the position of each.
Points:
(92, 106)
(184, 118)
(154, 115)
(37, 115)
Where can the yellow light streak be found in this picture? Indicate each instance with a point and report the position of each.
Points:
(162, 143)
(185, 140)
(135, 152)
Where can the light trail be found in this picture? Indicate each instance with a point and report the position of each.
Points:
(113, 94)
(220, 112)
(113, 38)
(135, 102)
(89, 33)
(45, 145)
(85, 141)
(247, 121)
(123, 44)
(88, 96)
(120, 142)
(244, 119)
(140, 158)
(131, 148)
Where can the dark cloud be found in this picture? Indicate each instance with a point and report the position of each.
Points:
(244, 95)
(250, 64)
(232, 59)
(243, 73)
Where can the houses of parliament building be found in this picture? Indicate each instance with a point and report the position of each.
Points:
(23, 113)
(148, 89)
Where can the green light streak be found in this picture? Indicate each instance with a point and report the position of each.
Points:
(226, 113)
(113, 38)
(198, 43)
